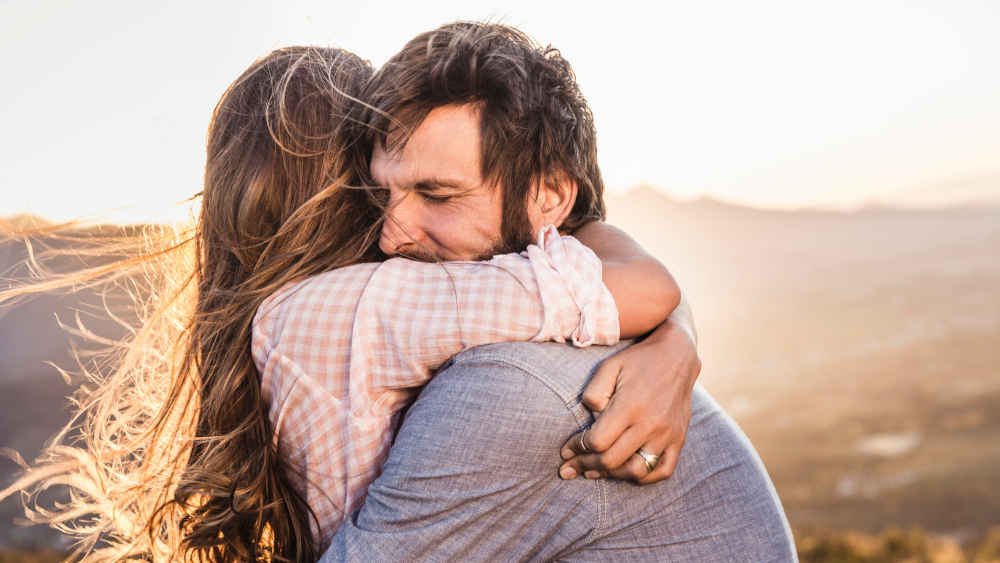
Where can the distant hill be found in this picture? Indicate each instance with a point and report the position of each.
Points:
(25, 221)
(704, 240)
(981, 189)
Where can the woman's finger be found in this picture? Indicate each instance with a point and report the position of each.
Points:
(605, 431)
(619, 452)
(576, 445)
(612, 462)
(664, 469)
(633, 469)
(598, 392)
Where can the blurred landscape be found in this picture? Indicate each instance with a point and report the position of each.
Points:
(858, 349)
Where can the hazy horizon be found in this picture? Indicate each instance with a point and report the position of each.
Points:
(920, 199)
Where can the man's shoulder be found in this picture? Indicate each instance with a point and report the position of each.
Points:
(560, 366)
(538, 356)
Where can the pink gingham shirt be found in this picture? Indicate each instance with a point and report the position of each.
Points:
(342, 353)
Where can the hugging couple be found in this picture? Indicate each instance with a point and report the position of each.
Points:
(411, 337)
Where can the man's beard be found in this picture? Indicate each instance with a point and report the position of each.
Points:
(513, 245)
(514, 242)
(517, 234)
(499, 247)
(421, 255)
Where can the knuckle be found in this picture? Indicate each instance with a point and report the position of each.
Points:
(598, 441)
(652, 432)
(638, 470)
(636, 410)
(667, 433)
(668, 469)
(638, 467)
(654, 427)
(593, 399)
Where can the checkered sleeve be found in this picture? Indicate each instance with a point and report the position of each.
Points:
(413, 317)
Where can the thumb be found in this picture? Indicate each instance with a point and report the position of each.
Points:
(601, 387)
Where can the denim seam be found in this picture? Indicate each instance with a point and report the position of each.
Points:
(526, 368)
(571, 405)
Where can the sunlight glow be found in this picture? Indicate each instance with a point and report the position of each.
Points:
(774, 103)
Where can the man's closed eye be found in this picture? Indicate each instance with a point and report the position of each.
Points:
(435, 198)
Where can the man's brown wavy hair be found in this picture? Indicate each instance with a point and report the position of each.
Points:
(174, 457)
(536, 125)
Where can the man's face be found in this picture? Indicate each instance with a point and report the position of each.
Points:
(440, 207)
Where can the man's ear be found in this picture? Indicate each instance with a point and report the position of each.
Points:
(554, 200)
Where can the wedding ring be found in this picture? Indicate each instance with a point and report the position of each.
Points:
(583, 445)
(649, 458)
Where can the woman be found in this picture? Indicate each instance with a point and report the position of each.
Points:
(180, 454)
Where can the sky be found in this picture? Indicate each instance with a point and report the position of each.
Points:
(105, 105)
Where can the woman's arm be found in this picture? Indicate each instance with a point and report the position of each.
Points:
(420, 314)
(643, 289)
(646, 386)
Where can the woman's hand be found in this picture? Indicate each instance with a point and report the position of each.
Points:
(642, 399)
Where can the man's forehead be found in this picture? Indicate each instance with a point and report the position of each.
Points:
(445, 147)
(400, 169)
(412, 118)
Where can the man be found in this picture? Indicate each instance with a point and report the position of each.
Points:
(482, 137)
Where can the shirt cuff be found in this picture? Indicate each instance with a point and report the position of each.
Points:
(577, 304)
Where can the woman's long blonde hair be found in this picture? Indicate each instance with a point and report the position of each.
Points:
(174, 456)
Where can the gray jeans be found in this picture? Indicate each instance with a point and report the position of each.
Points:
(472, 476)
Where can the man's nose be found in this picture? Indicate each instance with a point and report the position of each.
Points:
(402, 228)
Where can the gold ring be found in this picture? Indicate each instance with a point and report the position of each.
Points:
(649, 458)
